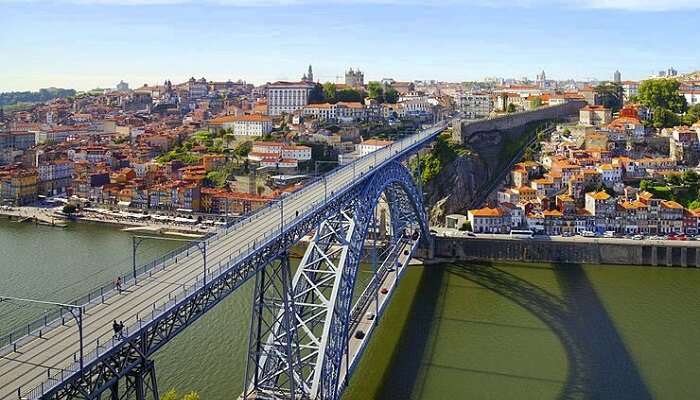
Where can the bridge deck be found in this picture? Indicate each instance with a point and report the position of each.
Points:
(376, 307)
(35, 358)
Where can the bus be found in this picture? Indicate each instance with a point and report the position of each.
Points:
(523, 234)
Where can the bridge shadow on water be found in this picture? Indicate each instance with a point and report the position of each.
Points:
(599, 364)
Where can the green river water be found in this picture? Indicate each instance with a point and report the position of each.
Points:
(469, 331)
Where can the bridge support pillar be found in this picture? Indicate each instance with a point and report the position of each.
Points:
(273, 366)
(114, 391)
(654, 256)
(140, 383)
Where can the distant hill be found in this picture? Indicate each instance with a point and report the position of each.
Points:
(10, 98)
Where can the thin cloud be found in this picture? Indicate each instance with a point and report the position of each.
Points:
(624, 5)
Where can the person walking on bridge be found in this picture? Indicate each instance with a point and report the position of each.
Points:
(118, 328)
(118, 284)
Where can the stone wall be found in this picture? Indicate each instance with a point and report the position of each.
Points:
(463, 130)
(678, 254)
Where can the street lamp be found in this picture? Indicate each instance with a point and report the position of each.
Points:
(75, 310)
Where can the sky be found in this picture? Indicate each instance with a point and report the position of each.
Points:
(83, 44)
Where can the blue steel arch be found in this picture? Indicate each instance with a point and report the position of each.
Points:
(406, 205)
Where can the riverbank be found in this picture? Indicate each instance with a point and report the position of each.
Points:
(143, 224)
(568, 250)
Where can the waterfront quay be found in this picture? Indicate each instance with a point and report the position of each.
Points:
(612, 251)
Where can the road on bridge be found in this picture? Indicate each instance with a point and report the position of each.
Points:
(57, 349)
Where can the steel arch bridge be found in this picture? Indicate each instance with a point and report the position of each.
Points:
(301, 326)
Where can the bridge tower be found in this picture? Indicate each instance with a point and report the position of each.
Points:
(300, 334)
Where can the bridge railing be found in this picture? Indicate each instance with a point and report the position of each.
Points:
(188, 288)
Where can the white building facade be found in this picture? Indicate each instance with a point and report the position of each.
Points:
(287, 97)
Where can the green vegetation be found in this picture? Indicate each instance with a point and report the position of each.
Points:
(329, 93)
(466, 226)
(511, 146)
(69, 209)
(444, 151)
(663, 97)
(610, 95)
(511, 108)
(172, 395)
(10, 98)
(348, 95)
(214, 143)
(682, 188)
(243, 148)
(220, 177)
(664, 118)
(329, 90)
(692, 115)
(375, 90)
(662, 93)
(316, 94)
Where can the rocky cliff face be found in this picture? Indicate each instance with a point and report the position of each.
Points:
(454, 187)
(458, 184)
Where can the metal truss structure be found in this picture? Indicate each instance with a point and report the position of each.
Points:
(300, 328)
(321, 296)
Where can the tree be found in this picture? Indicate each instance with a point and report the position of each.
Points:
(329, 92)
(391, 95)
(662, 93)
(169, 395)
(690, 177)
(172, 395)
(348, 95)
(664, 118)
(674, 180)
(536, 103)
(375, 90)
(692, 115)
(191, 396)
(610, 95)
(243, 148)
(466, 226)
(646, 185)
(261, 190)
(69, 209)
(511, 108)
(316, 95)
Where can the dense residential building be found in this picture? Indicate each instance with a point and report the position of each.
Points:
(287, 97)
(684, 145)
(243, 125)
(595, 115)
(18, 186)
(489, 220)
(341, 111)
(55, 177)
(372, 145)
(475, 105)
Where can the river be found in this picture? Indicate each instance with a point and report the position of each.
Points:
(479, 331)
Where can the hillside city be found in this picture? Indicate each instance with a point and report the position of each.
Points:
(199, 152)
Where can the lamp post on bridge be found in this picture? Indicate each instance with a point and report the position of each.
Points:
(137, 240)
(75, 310)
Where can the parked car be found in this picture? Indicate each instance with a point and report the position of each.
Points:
(638, 237)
